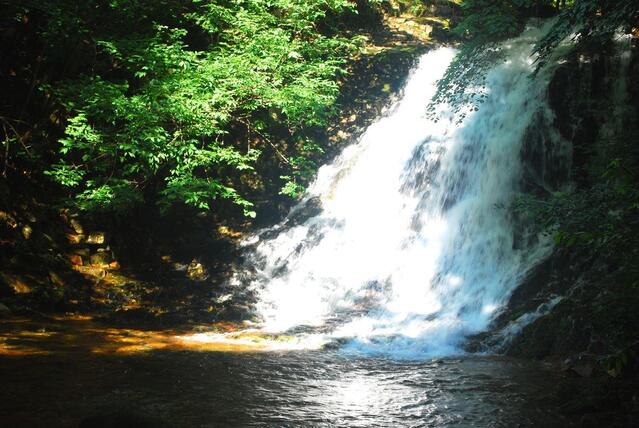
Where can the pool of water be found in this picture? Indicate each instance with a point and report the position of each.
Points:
(279, 389)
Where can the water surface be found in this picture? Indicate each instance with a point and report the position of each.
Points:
(279, 389)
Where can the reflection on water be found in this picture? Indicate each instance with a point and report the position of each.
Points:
(285, 389)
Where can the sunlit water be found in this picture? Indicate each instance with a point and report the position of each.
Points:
(293, 389)
(416, 246)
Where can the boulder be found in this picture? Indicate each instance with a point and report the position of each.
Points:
(196, 271)
(8, 220)
(302, 212)
(101, 258)
(76, 259)
(96, 238)
(76, 226)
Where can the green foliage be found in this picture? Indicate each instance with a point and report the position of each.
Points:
(589, 20)
(602, 217)
(303, 168)
(466, 73)
(291, 187)
(616, 364)
(493, 20)
(165, 94)
(112, 194)
(414, 7)
(486, 23)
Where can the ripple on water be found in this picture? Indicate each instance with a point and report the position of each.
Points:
(286, 389)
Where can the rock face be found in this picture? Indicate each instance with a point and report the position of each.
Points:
(597, 317)
(591, 333)
(301, 213)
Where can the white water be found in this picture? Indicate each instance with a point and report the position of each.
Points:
(415, 247)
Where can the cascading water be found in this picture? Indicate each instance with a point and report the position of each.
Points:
(415, 246)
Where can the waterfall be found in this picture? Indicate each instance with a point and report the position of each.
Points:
(406, 243)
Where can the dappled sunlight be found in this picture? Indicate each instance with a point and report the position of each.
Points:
(82, 334)
(256, 340)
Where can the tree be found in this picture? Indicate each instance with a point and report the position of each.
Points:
(173, 101)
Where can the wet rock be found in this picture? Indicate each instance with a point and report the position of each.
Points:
(578, 406)
(598, 346)
(224, 298)
(590, 421)
(444, 9)
(101, 258)
(76, 226)
(8, 220)
(544, 158)
(76, 260)
(75, 239)
(180, 267)
(303, 212)
(96, 238)
(442, 34)
(5, 312)
(16, 283)
(196, 271)
(238, 312)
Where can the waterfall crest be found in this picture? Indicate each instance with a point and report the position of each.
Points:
(414, 246)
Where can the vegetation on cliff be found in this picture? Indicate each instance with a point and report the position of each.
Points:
(594, 220)
(169, 101)
(485, 23)
(165, 126)
(601, 214)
